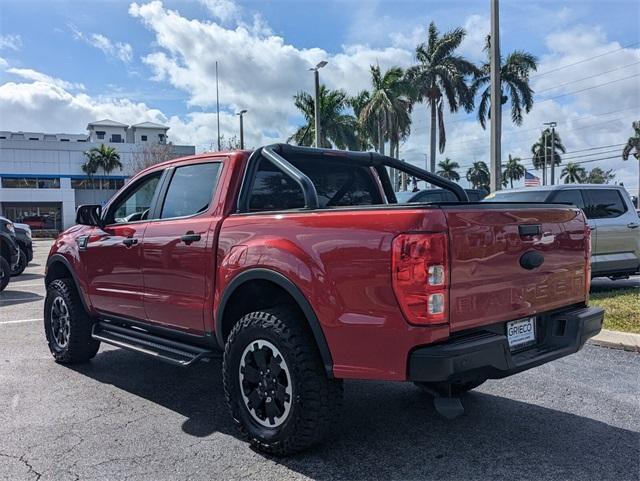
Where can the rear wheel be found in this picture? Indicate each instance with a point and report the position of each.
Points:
(5, 273)
(275, 383)
(67, 325)
(21, 265)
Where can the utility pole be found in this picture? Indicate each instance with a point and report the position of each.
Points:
(544, 158)
(553, 150)
(218, 106)
(240, 114)
(496, 99)
(316, 103)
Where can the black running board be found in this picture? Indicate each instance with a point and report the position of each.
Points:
(134, 339)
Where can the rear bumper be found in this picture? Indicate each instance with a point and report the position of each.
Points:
(485, 354)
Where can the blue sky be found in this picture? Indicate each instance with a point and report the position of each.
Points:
(64, 62)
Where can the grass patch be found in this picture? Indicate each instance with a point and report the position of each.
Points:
(621, 306)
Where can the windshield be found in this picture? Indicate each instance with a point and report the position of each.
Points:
(518, 196)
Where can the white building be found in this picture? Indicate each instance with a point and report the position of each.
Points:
(41, 177)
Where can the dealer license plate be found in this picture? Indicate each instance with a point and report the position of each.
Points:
(521, 333)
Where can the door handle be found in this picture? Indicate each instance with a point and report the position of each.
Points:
(190, 237)
(130, 241)
(633, 225)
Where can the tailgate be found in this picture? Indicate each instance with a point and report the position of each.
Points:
(487, 243)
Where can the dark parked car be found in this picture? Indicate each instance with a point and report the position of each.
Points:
(8, 251)
(438, 195)
(25, 244)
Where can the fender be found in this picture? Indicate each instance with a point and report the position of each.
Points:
(298, 296)
(62, 259)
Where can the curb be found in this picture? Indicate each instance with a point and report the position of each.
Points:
(617, 340)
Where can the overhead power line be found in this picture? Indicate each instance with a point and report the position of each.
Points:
(587, 78)
(589, 88)
(584, 60)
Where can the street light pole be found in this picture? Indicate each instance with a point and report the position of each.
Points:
(240, 114)
(496, 99)
(218, 106)
(553, 150)
(316, 103)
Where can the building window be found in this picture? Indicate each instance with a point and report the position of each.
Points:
(161, 137)
(144, 138)
(28, 183)
(34, 138)
(64, 140)
(97, 184)
(2, 137)
(116, 138)
(100, 134)
(43, 216)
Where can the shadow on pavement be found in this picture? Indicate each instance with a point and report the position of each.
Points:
(390, 430)
(28, 277)
(10, 297)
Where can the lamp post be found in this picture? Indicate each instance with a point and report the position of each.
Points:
(316, 103)
(240, 114)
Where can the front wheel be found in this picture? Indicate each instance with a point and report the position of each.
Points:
(275, 383)
(21, 265)
(66, 324)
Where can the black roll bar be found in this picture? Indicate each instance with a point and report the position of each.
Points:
(274, 154)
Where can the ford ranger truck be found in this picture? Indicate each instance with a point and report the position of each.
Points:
(300, 265)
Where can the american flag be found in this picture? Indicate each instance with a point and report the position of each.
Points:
(531, 180)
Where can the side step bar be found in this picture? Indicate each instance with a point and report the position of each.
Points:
(144, 342)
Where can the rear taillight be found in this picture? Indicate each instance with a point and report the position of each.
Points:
(421, 277)
(587, 261)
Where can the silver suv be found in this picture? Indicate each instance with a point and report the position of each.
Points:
(614, 222)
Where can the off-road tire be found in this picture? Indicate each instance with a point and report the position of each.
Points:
(21, 265)
(316, 400)
(457, 388)
(5, 273)
(81, 346)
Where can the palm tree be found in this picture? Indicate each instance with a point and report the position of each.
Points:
(338, 128)
(365, 132)
(389, 107)
(91, 165)
(634, 143)
(478, 175)
(105, 157)
(542, 156)
(448, 169)
(439, 76)
(514, 77)
(514, 170)
(599, 176)
(573, 173)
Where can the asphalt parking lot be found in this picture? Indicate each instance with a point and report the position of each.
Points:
(124, 416)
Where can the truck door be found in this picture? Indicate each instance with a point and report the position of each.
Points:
(178, 259)
(113, 255)
(617, 230)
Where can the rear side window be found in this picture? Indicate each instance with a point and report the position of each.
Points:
(572, 196)
(604, 204)
(190, 190)
(337, 184)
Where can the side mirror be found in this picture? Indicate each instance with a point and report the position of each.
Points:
(89, 214)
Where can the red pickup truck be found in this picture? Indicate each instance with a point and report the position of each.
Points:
(300, 264)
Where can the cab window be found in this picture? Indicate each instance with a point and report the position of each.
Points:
(135, 204)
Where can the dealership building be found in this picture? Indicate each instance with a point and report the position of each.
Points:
(41, 177)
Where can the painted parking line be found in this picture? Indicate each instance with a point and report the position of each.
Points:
(20, 321)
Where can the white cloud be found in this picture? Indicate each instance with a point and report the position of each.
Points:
(3, 63)
(119, 50)
(12, 41)
(223, 10)
(31, 74)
